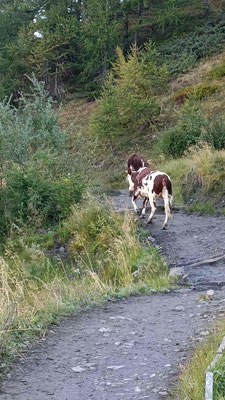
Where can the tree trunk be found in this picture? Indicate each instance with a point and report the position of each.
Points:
(139, 13)
(126, 32)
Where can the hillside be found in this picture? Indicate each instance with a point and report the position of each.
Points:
(83, 85)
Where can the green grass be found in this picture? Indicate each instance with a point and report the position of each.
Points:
(106, 259)
(205, 207)
(219, 379)
(198, 175)
(191, 383)
(216, 72)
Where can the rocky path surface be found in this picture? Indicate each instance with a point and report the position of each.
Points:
(134, 348)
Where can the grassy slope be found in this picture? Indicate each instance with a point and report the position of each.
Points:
(107, 170)
(30, 302)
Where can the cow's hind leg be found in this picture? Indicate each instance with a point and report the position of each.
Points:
(153, 209)
(167, 208)
(145, 202)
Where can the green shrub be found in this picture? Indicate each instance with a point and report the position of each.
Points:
(192, 128)
(214, 132)
(186, 133)
(33, 193)
(128, 101)
(31, 126)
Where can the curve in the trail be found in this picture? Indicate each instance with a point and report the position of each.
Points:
(130, 349)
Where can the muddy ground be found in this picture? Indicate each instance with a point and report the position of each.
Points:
(133, 348)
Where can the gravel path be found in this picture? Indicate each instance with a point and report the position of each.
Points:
(134, 348)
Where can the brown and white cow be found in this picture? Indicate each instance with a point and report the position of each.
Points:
(150, 185)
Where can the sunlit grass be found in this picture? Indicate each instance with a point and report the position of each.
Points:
(191, 384)
(106, 259)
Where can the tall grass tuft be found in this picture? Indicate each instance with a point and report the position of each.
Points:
(107, 244)
(201, 173)
(105, 259)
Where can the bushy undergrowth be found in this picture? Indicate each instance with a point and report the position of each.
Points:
(186, 133)
(192, 128)
(37, 183)
(182, 53)
(34, 193)
(30, 126)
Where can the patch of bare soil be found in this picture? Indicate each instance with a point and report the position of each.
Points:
(133, 348)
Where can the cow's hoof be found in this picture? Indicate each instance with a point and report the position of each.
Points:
(142, 216)
(164, 227)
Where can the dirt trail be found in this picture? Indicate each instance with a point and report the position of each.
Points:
(131, 349)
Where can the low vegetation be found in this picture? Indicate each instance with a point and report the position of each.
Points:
(216, 72)
(192, 128)
(199, 177)
(197, 92)
(104, 258)
(191, 384)
(219, 379)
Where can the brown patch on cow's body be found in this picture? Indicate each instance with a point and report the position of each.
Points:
(160, 182)
(137, 177)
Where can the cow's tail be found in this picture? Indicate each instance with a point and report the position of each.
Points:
(165, 196)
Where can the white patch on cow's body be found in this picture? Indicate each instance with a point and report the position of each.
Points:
(131, 184)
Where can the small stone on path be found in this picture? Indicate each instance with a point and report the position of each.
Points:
(115, 367)
(78, 369)
(179, 308)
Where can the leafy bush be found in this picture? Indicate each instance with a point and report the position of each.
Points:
(32, 193)
(214, 132)
(192, 128)
(31, 126)
(186, 133)
(197, 92)
(128, 102)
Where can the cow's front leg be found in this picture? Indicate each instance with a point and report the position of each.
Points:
(134, 197)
